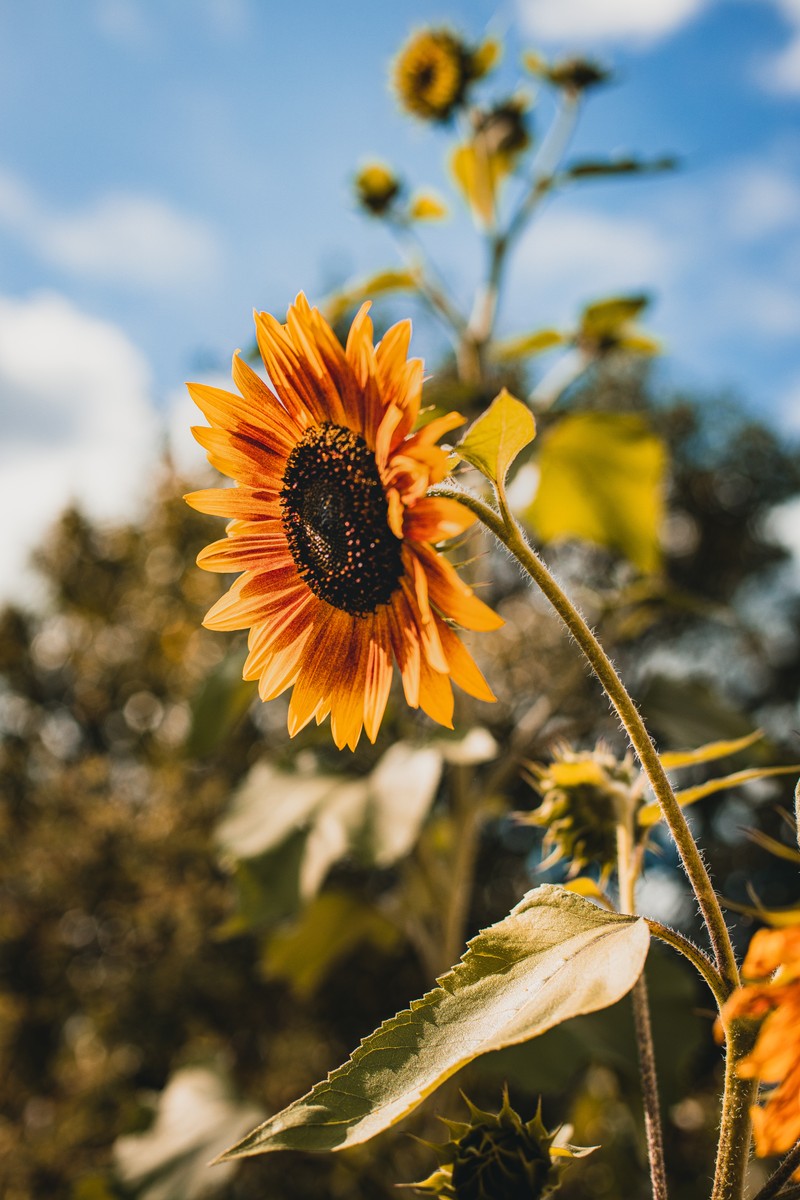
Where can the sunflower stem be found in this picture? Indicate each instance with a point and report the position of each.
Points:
(733, 1151)
(735, 1128)
(695, 956)
(484, 313)
(627, 871)
(781, 1175)
(505, 528)
(466, 820)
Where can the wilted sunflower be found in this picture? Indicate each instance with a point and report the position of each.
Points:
(332, 528)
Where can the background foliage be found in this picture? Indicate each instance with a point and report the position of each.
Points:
(199, 919)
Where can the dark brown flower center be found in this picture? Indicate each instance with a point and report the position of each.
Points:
(336, 519)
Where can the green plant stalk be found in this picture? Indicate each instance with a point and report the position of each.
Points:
(466, 817)
(626, 877)
(699, 960)
(733, 1150)
(735, 1129)
(482, 321)
(506, 531)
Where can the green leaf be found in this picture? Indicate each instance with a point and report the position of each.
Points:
(555, 956)
(605, 317)
(220, 703)
(651, 813)
(380, 284)
(773, 846)
(602, 479)
(197, 1114)
(672, 760)
(329, 929)
(493, 441)
(526, 344)
(285, 831)
(599, 168)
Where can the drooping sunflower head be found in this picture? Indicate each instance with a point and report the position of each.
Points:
(432, 73)
(504, 127)
(377, 187)
(585, 794)
(332, 527)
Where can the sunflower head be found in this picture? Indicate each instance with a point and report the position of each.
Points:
(585, 794)
(495, 1156)
(432, 73)
(504, 127)
(332, 527)
(376, 188)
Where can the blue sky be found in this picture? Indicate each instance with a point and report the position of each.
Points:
(167, 165)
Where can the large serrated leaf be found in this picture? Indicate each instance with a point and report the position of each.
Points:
(602, 479)
(495, 439)
(555, 956)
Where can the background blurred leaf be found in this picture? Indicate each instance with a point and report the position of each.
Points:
(219, 704)
(553, 957)
(332, 926)
(380, 284)
(598, 168)
(605, 317)
(197, 1115)
(602, 479)
(285, 831)
(527, 344)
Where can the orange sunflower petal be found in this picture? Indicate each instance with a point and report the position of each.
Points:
(452, 597)
(462, 667)
(436, 519)
(331, 529)
(436, 695)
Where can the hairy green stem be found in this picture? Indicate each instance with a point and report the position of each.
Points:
(733, 1151)
(626, 876)
(695, 955)
(507, 531)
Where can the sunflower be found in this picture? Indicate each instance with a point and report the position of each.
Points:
(772, 995)
(432, 73)
(333, 529)
(377, 187)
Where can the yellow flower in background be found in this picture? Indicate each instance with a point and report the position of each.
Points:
(377, 188)
(433, 72)
(772, 995)
(333, 530)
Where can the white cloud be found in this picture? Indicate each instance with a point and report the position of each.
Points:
(182, 413)
(78, 424)
(781, 71)
(588, 21)
(578, 255)
(762, 200)
(124, 22)
(788, 411)
(124, 237)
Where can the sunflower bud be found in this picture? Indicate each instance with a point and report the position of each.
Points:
(504, 127)
(432, 74)
(497, 1156)
(376, 188)
(585, 795)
